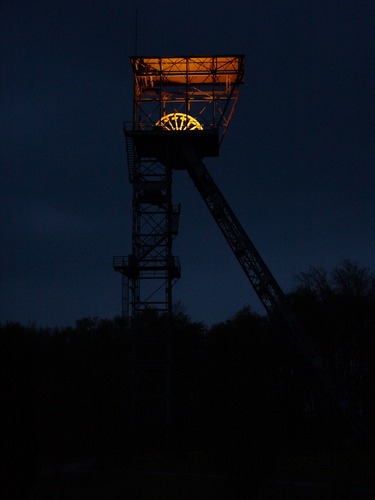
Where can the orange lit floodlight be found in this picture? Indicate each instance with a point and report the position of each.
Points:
(188, 90)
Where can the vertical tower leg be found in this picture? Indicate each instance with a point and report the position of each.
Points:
(149, 275)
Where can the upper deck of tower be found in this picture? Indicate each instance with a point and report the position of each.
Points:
(150, 72)
(183, 98)
(205, 88)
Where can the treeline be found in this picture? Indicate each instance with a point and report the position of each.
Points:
(237, 389)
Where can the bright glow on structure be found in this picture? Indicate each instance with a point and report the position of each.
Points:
(207, 70)
(205, 88)
(179, 121)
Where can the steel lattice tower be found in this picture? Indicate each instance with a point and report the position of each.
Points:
(178, 102)
(151, 270)
(182, 108)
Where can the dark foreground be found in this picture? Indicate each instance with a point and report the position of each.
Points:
(196, 477)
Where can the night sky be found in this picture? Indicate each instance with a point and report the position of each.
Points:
(297, 163)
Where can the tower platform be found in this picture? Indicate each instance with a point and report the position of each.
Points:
(166, 145)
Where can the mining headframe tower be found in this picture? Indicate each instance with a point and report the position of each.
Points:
(182, 107)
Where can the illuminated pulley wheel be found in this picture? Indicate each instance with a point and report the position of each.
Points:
(179, 121)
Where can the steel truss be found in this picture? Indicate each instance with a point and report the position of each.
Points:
(149, 274)
(177, 101)
(151, 269)
(269, 292)
(169, 92)
(203, 87)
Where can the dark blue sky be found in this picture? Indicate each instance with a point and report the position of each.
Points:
(297, 164)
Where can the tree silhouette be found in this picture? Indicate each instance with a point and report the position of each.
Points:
(238, 392)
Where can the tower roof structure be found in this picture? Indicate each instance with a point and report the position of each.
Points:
(188, 70)
(204, 88)
(183, 99)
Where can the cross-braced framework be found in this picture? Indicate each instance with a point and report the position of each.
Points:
(149, 274)
(178, 101)
(151, 268)
(205, 88)
(182, 108)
